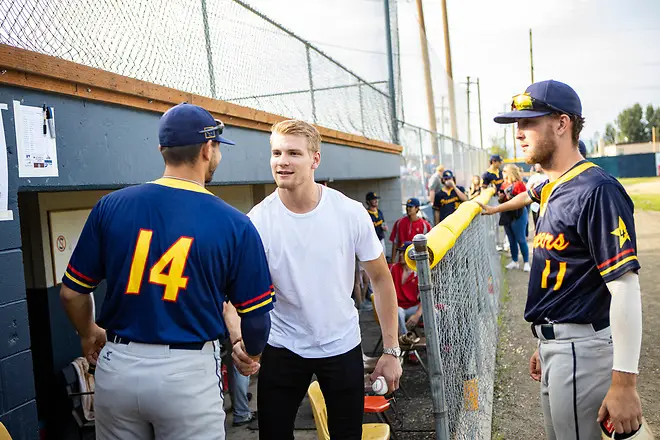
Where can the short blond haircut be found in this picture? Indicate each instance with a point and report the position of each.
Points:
(296, 127)
(513, 171)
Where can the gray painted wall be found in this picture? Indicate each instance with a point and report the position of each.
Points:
(109, 146)
(104, 145)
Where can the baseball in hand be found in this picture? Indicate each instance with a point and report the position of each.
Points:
(379, 386)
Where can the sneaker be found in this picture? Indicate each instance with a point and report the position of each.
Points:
(409, 339)
(526, 268)
(512, 265)
(253, 417)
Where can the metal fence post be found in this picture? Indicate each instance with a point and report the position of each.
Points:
(311, 81)
(436, 374)
(209, 54)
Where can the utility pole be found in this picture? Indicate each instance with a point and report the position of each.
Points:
(469, 136)
(481, 130)
(653, 137)
(531, 55)
(430, 103)
(450, 75)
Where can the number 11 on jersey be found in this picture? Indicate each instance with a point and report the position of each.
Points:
(560, 275)
(176, 257)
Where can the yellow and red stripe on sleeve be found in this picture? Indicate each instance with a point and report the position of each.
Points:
(80, 279)
(617, 261)
(257, 302)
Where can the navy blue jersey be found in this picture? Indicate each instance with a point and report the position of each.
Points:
(585, 238)
(446, 201)
(378, 220)
(495, 178)
(171, 253)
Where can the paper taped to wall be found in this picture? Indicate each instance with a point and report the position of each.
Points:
(37, 150)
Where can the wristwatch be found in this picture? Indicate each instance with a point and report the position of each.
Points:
(394, 351)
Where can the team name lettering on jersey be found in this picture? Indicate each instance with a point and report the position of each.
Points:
(548, 241)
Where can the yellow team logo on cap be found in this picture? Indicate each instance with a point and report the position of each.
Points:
(409, 200)
(209, 132)
(621, 232)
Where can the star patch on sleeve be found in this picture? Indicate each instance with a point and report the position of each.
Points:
(622, 233)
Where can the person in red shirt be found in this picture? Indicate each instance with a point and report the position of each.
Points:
(516, 224)
(408, 226)
(407, 295)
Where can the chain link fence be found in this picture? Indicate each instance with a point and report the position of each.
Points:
(223, 49)
(419, 163)
(460, 299)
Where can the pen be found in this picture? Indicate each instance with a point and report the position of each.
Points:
(45, 114)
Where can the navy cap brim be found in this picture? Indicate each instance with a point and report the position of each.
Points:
(224, 140)
(511, 117)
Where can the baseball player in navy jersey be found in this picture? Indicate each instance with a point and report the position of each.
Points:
(448, 198)
(171, 254)
(584, 299)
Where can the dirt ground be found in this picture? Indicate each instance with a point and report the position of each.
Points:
(517, 414)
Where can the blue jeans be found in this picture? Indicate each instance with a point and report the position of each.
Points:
(239, 388)
(404, 314)
(516, 231)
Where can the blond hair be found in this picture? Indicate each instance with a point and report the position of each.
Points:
(296, 127)
(514, 172)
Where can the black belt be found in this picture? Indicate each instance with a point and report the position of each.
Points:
(548, 331)
(113, 337)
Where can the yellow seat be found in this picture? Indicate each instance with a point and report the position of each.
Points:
(370, 431)
(4, 434)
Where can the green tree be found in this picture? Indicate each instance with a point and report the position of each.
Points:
(652, 120)
(497, 149)
(610, 134)
(631, 125)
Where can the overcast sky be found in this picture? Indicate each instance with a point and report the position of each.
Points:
(607, 50)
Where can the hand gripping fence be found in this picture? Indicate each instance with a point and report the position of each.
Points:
(459, 274)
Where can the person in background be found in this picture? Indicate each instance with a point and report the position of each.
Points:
(238, 383)
(407, 295)
(408, 226)
(582, 148)
(493, 175)
(537, 177)
(435, 182)
(475, 187)
(377, 217)
(448, 198)
(515, 228)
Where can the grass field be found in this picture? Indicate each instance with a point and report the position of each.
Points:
(644, 191)
(646, 202)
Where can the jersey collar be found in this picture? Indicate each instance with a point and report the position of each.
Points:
(181, 184)
(549, 188)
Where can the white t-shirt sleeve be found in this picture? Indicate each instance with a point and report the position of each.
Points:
(367, 244)
(256, 216)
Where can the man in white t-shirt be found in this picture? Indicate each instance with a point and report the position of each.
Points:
(312, 235)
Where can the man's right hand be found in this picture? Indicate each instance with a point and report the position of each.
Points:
(487, 209)
(247, 365)
(535, 366)
(92, 343)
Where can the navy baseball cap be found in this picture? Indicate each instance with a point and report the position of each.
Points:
(496, 158)
(412, 202)
(188, 124)
(582, 148)
(372, 196)
(448, 174)
(540, 99)
(405, 245)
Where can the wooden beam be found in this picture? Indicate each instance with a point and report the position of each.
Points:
(32, 70)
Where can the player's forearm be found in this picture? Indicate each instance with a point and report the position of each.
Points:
(461, 195)
(386, 307)
(255, 330)
(520, 201)
(79, 308)
(232, 321)
(626, 323)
